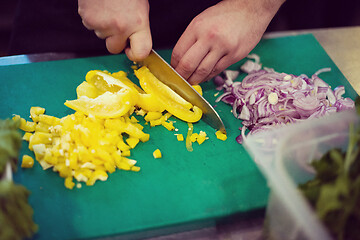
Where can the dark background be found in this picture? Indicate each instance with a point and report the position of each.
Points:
(293, 15)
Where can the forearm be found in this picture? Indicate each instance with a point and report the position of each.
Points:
(262, 8)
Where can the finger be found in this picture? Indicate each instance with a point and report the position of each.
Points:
(206, 67)
(87, 26)
(191, 59)
(182, 46)
(140, 45)
(115, 43)
(101, 34)
(221, 65)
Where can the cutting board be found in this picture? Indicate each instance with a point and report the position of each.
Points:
(182, 190)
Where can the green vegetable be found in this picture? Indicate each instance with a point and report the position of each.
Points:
(15, 212)
(335, 191)
(10, 143)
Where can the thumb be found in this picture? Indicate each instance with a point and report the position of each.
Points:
(140, 45)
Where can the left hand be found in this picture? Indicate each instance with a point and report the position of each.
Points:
(220, 36)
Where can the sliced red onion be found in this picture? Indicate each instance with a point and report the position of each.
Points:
(265, 99)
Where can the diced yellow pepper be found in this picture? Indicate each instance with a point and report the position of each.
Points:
(157, 153)
(49, 120)
(135, 168)
(180, 137)
(156, 122)
(138, 125)
(27, 162)
(39, 151)
(133, 119)
(35, 112)
(123, 165)
(25, 125)
(152, 116)
(201, 138)
(73, 160)
(123, 146)
(168, 125)
(42, 127)
(81, 176)
(110, 167)
(132, 142)
(194, 137)
(27, 136)
(69, 183)
(49, 158)
(97, 175)
(63, 170)
(122, 126)
(125, 153)
(220, 135)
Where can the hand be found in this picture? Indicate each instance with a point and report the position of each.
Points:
(220, 36)
(123, 23)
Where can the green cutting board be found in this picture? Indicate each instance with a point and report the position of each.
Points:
(218, 179)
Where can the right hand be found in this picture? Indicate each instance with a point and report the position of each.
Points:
(124, 24)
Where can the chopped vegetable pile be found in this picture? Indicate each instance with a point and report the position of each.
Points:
(265, 98)
(98, 138)
(335, 191)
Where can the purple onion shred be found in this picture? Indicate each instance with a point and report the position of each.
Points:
(265, 99)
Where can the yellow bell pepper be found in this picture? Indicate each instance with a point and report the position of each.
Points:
(150, 103)
(35, 112)
(220, 135)
(105, 82)
(27, 162)
(152, 116)
(201, 137)
(157, 153)
(106, 105)
(172, 102)
(180, 137)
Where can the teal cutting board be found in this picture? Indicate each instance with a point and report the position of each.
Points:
(218, 179)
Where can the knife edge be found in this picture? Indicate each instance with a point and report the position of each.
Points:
(167, 75)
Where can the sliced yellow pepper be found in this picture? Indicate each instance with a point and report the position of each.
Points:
(150, 103)
(172, 102)
(107, 105)
(105, 82)
(152, 116)
(87, 89)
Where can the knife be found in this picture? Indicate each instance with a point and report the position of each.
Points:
(167, 75)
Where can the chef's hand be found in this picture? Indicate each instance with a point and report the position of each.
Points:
(124, 24)
(220, 36)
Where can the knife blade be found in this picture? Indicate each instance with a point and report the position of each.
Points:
(167, 75)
